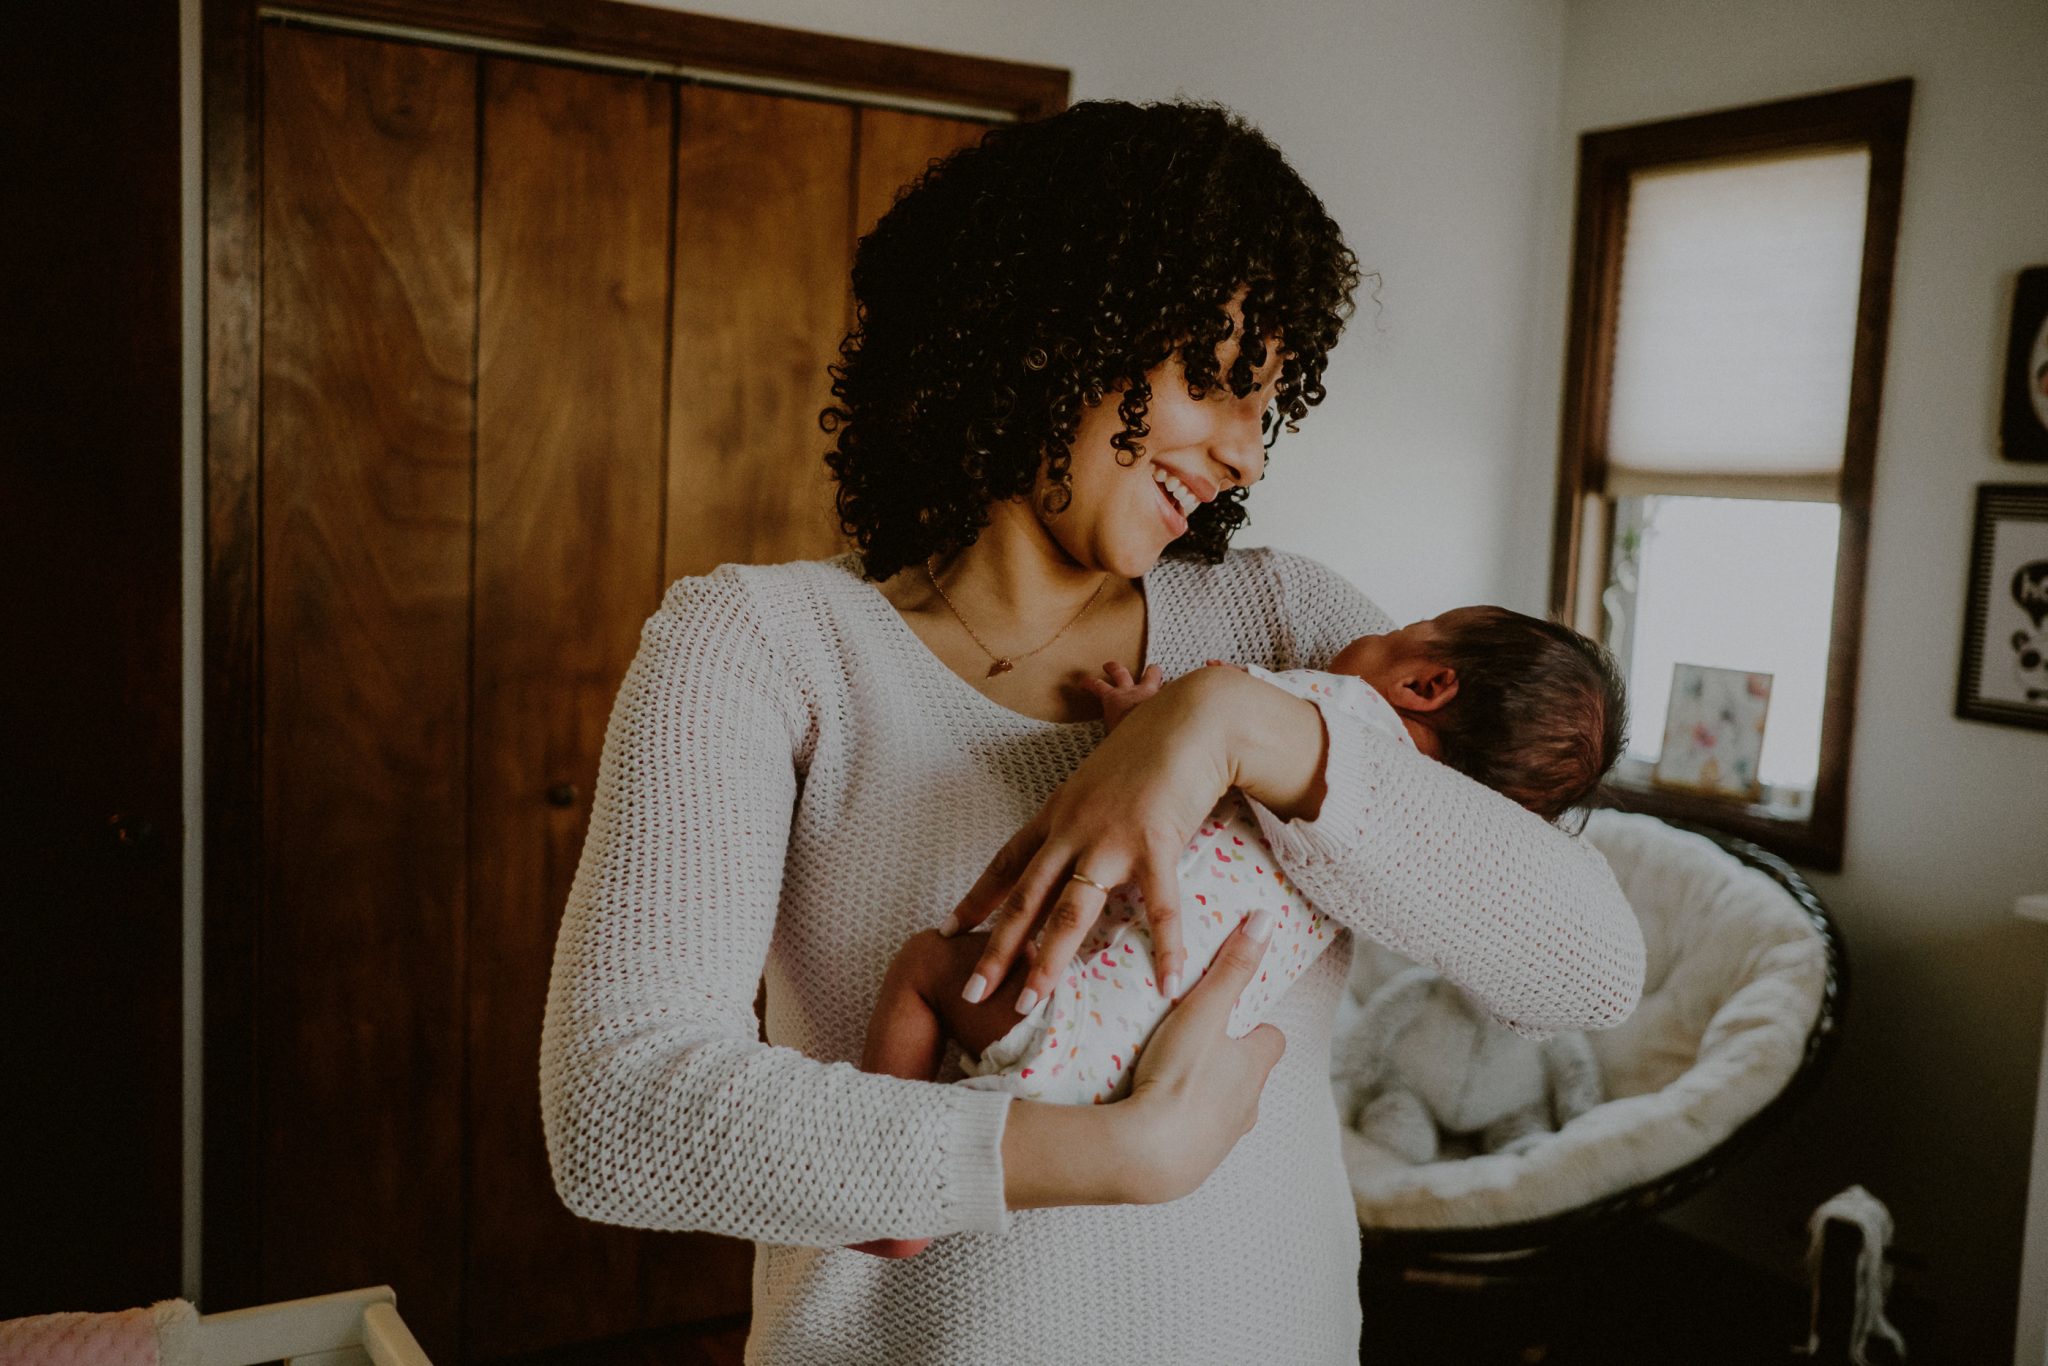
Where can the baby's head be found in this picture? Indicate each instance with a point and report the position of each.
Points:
(1532, 709)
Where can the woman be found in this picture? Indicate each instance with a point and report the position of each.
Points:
(1074, 344)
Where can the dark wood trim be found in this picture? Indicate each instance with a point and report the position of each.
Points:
(1875, 116)
(231, 91)
(232, 138)
(92, 700)
(1589, 362)
(641, 33)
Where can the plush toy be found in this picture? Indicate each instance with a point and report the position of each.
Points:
(1419, 1061)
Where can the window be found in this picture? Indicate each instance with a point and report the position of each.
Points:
(1731, 286)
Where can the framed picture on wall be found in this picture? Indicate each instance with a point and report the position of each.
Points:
(2005, 625)
(2023, 425)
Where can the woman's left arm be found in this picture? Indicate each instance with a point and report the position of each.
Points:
(1413, 854)
(1394, 846)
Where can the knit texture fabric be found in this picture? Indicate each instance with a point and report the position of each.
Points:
(792, 782)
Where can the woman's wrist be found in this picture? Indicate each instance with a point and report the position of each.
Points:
(1070, 1155)
(1275, 741)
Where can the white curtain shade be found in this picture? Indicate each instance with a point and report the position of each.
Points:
(1737, 326)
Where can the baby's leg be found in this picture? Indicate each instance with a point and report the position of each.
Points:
(920, 1006)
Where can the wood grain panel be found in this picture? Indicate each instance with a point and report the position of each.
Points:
(895, 149)
(572, 346)
(368, 320)
(90, 806)
(762, 257)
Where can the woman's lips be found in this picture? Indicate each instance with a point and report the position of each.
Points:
(1172, 510)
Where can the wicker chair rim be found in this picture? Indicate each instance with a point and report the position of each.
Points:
(1473, 1247)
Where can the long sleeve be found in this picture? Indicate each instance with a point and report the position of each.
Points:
(661, 1107)
(1415, 855)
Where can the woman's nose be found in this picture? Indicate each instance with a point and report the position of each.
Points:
(1240, 447)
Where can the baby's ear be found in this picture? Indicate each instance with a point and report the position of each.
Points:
(1425, 687)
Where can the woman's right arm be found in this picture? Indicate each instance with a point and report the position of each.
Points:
(1195, 1092)
(661, 1107)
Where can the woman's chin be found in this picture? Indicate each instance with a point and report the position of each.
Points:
(1135, 563)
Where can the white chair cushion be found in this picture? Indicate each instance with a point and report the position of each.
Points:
(1734, 982)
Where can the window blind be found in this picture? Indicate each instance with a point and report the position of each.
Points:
(1736, 326)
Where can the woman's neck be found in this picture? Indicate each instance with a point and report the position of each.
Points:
(1017, 578)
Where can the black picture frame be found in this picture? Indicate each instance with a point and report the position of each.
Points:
(2003, 675)
(2023, 418)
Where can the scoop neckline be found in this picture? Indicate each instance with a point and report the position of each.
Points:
(871, 592)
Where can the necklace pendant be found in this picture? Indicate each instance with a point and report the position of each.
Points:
(1001, 666)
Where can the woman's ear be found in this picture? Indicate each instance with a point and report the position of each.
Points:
(1425, 687)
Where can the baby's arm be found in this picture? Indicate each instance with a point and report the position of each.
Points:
(1119, 692)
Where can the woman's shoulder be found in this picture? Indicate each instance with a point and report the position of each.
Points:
(774, 612)
(767, 594)
(1290, 607)
(1257, 575)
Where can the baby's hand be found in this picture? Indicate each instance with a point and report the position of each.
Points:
(1119, 692)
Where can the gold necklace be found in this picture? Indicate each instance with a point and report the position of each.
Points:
(1004, 663)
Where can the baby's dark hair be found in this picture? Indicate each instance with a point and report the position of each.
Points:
(1052, 266)
(1540, 714)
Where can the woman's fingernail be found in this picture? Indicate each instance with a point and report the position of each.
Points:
(949, 927)
(1026, 999)
(976, 988)
(1172, 985)
(1261, 927)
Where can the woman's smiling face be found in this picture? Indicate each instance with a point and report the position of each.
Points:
(1121, 518)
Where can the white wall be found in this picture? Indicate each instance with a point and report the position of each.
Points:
(1929, 1103)
(1426, 126)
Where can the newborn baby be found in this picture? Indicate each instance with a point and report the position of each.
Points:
(1530, 708)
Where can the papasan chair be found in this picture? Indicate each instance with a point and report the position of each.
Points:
(1742, 1002)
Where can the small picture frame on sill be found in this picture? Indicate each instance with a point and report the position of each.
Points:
(2023, 420)
(2004, 674)
(1714, 732)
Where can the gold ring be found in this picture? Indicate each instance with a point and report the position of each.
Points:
(1077, 877)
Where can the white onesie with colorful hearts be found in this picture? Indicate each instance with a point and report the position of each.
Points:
(1080, 1043)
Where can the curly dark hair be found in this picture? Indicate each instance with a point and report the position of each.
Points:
(1025, 278)
(1541, 712)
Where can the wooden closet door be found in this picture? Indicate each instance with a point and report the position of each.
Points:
(763, 248)
(895, 149)
(369, 165)
(576, 202)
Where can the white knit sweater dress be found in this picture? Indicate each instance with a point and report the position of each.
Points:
(792, 780)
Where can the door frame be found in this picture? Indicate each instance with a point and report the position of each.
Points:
(687, 46)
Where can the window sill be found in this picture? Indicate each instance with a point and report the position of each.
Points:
(1803, 838)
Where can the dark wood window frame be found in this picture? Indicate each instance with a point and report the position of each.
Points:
(694, 47)
(1873, 116)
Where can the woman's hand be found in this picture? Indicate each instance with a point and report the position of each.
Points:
(1121, 818)
(1125, 815)
(1196, 1090)
(1194, 1094)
